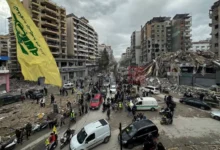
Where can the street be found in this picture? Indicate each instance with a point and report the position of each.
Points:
(192, 128)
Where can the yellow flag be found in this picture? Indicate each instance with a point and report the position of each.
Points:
(33, 53)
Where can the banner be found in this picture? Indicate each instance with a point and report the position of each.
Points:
(33, 53)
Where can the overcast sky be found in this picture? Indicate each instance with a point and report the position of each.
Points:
(115, 20)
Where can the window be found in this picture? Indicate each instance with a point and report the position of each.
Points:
(131, 130)
(81, 136)
(90, 138)
(216, 44)
(139, 103)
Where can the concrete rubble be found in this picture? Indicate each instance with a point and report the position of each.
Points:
(180, 89)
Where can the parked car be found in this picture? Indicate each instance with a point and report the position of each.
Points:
(106, 83)
(153, 89)
(68, 85)
(135, 133)
(10, 98)
(34, 93)
(195, 102)
(113, 89)
(96, 102)
(216, 114)
(91, 135)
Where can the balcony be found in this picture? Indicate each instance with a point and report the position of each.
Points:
(50, 10)
(82, 50)
(84, 41)
(50, 31)
(35, 2)
(210, 14)
(53, 45)
(35, 10)
(210, 24)
(46, 23)
(51, 38)
(44, 15)
(83, 31)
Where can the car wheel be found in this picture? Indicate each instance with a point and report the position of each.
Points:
(152, 109)
(106, 139)
(203, 108)
(216, 117)
(130, 146)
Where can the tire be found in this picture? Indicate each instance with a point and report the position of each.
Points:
(152, 109)
(130, 146)
(106, 139)
(216, 117)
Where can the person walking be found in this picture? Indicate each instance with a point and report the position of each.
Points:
(45, 91)
(18, 135)
(62, 120)
(28, 130)
(108, 113)
(86, 107)
(52, 99)
(72, 116)
(80, 111)
(82, 106)
(134, 108)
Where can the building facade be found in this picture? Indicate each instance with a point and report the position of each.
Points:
(181, 32)
(203, 45)
(155, 38)
(136, 47)
(82, 46)
(128, 52)
(215, 22)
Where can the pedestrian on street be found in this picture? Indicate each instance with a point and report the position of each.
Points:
(134, 108)
(80, 111)
(108, 113)
(73, 90)
(60, 91)
(28, 130)
(18, 135)
(45, 91)
(82, 105)
(62, 120)
(52, 99)
(21, 135)
(86, 107)
(66, 92)
(138, 88)
(165, 99)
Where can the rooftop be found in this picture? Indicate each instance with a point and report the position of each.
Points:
(181, 16)
(215, 5)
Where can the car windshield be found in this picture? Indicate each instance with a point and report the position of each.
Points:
(131, 130)
(81, 136)
(95, 100)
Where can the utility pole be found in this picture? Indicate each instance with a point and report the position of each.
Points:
(120, 136)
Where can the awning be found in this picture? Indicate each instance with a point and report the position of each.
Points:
(4, 58)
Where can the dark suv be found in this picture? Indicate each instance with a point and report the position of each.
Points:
(34, 93)
(136, 133)
(10, 98)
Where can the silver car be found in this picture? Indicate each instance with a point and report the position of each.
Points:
(216, 114)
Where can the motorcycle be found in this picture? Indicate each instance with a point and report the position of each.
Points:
(39, 127)
(163, 111)
(166, 121)
(152, 144)
(8, 145)
(66, 138)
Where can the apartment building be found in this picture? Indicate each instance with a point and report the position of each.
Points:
(82, 45)
(128, 52)
(155, 38)
(136, 47)
(4, 45)
(181, 32)
(203, 45)
(215, 25)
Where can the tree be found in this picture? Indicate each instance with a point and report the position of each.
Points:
(104, 60)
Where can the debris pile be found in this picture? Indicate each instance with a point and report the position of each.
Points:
(159, 66)
(180, 89)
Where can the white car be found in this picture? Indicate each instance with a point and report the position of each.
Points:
(113, 89)
(153, 89)
(91, 135)
(68, 85)
(215, 114)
